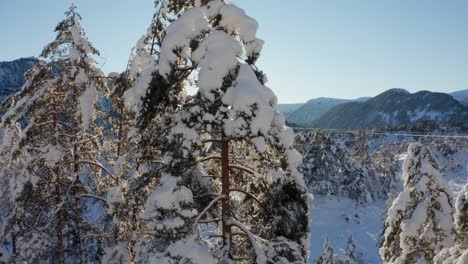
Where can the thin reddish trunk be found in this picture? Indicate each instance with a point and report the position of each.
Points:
(119, 144)
(59, 228)
(225, 187)
(58, 199)
(78, 207)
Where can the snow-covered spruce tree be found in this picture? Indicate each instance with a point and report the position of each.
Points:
(61, 147)
(327, 256)
(232, 115)
(387, 169)
(458, 254)
(420, 221)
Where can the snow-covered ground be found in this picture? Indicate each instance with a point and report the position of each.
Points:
(339, 217)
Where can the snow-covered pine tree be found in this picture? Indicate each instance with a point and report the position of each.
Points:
(356, 185)
(364, 167)
(141, 110)
(352, 252)
(324, 163)
(361, 148)
(232, 115)
(327, 256)
(60, 144)
(387, 169)
(420, 221)
(328, 169)
(458, 254)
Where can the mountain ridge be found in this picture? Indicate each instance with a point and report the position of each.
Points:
(393, 108)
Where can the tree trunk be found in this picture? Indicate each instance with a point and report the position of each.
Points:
(59, 227)
(78, 207)
(13, 238)
(119, 144)
(225, 186)
(58, 199)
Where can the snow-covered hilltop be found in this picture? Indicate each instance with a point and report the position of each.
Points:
(394, 107)
(314, 109)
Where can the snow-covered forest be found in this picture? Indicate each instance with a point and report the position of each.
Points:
(130, 167)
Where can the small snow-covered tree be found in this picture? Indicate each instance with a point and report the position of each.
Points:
(361, 148)
(458, 254)
(420, 221)
(327, 256)
(352, 252)
(365, 166)
(323, 164)
(387, 169)
(59, 147)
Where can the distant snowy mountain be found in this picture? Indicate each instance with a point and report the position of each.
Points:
(461, 96)
(315, 108)
(12, 75)
(395, 107)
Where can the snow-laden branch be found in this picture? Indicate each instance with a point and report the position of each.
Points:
(261, 258)
(207, 208)
(87, 195)
(209, 158)
(252, 172)
(97, 165)
(244, 169)
(89, 139)
(51, 123)
(212, 141)
(248, 194)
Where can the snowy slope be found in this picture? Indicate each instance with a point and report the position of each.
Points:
(315, 108)
(461, 96)
(337, 218)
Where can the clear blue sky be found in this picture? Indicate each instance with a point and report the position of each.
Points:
(339, 48)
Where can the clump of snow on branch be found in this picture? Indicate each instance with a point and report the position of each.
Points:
(170, 196)
(87, 102)
(141, 67)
